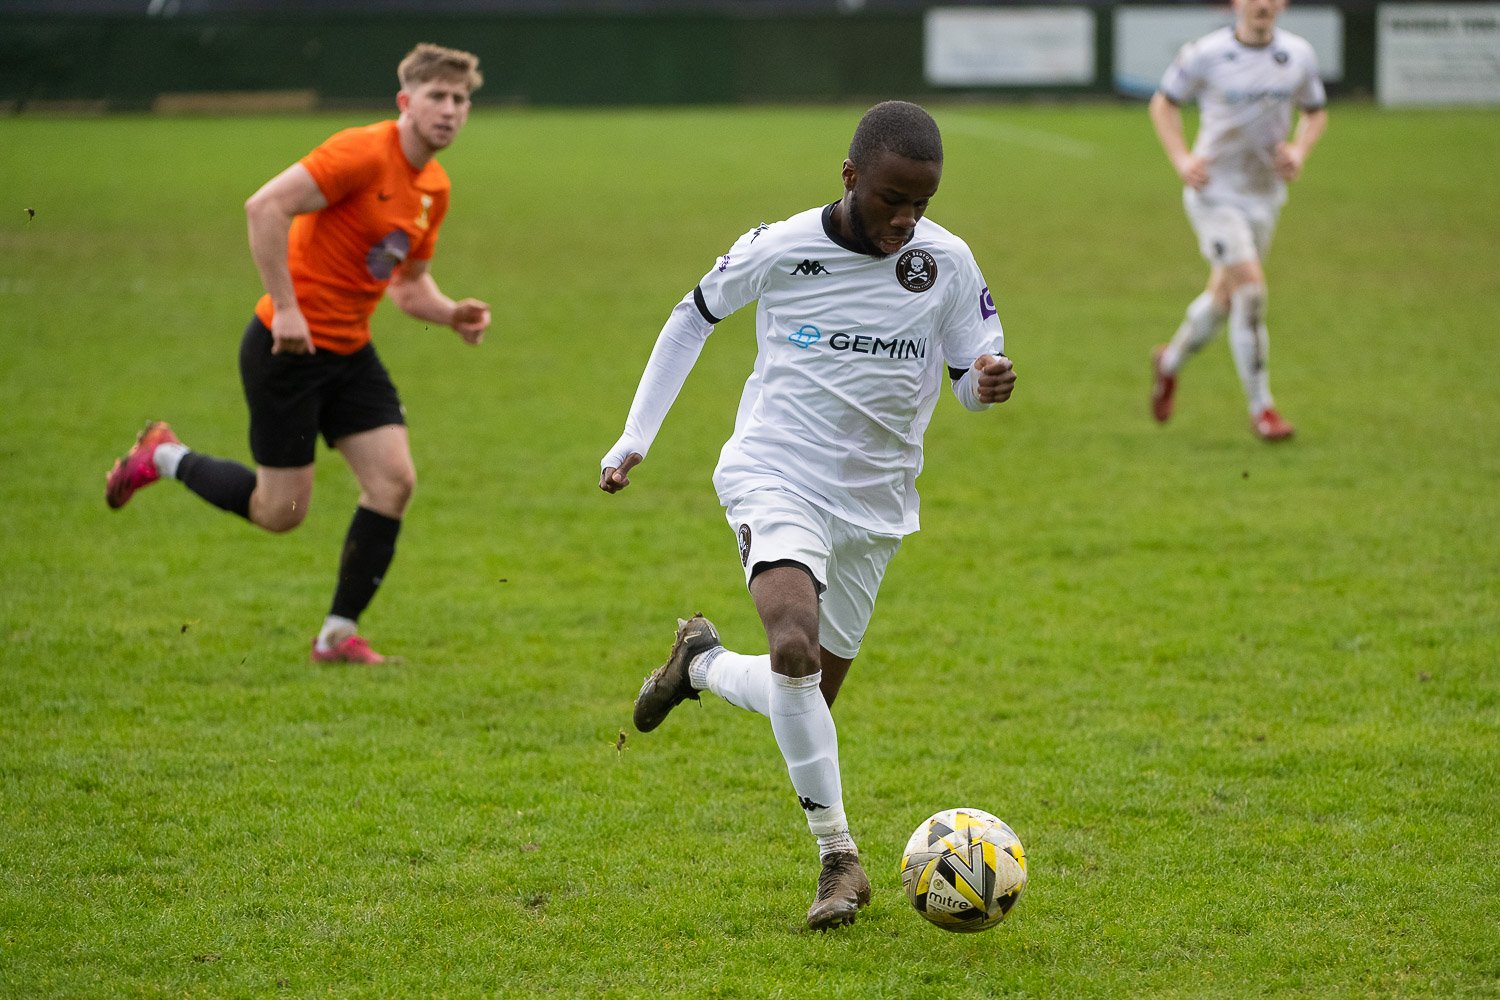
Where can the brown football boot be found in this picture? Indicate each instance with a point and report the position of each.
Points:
(843, 888)
(668, 685)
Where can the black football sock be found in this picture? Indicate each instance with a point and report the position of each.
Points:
(223, 483)
(368, 549)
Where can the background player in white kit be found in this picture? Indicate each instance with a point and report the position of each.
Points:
(1245, 78)
(865, 309)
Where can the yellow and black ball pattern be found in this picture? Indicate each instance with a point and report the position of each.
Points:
(963, 870)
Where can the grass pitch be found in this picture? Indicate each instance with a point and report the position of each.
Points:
(1239, 701)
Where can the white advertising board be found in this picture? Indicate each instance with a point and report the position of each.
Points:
(1437, 53)
(1147, 39)
(1013, 46)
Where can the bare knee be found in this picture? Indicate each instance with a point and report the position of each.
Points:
(281, 498)
(278, 518)
(794, 652)
(1219, 288)
(390, 493)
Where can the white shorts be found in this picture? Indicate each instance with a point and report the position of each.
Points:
(847, 562)
(1230, 232)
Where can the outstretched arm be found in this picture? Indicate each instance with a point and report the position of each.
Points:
(268, 214)
(676, 351)
(417, 294)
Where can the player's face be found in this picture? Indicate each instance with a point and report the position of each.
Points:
(437, 109)
(884, 202)
(1259, 16)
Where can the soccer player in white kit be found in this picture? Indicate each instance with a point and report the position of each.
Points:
(1246, 80)
(865, 309)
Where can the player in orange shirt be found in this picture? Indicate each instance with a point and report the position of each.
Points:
(353, 219)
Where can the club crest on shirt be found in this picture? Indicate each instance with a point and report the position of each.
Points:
(744, 545)
(916, 270)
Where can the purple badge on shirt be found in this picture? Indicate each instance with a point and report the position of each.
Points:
(986, 304)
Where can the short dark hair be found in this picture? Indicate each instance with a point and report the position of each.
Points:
(900, 127)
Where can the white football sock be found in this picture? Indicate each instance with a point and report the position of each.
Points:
(167, 457)
(836, 843)
(1201, 321)
(1250, 343)
(741, 680)
(335, 629)
(810, 745)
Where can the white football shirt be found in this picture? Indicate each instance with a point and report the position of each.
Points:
(853, 351)
(1245, 94)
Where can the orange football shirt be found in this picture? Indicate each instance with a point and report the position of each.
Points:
(380, 213)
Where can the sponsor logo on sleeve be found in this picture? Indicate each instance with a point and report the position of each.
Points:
(723, 263)
(916, 270)
(986, 304)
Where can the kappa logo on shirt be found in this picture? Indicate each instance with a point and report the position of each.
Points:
(810, 267)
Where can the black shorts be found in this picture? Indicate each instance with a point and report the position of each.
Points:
(294, 397)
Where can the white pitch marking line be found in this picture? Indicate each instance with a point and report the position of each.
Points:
(1019, 135)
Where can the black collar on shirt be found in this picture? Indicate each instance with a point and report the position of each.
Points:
(831, 231)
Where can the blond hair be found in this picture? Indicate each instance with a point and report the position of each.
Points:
(428, 62)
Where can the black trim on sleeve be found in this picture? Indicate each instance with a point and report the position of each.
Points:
(703, 306)
(956, 373)
(1313, 107)
(1170, 99)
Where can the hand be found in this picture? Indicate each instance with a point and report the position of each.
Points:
(616, 479)
(996, 377)
(289, 333)
(1288, 161)
(470, 318)
(1193, 169)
